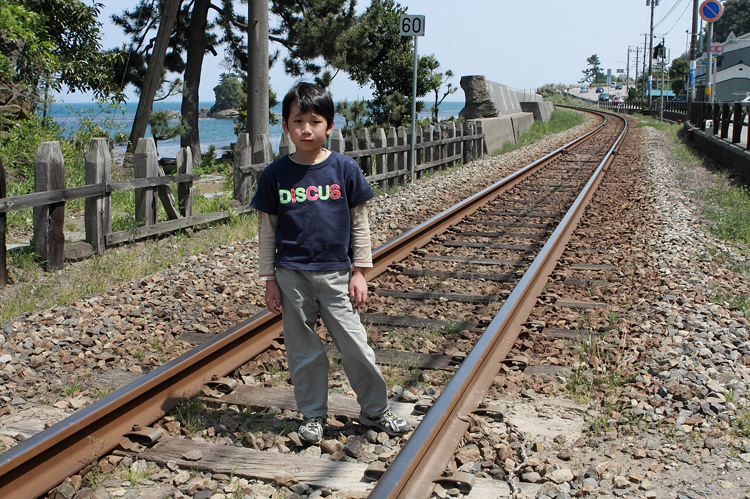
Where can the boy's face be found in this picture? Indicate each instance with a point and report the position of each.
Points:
(307, 130)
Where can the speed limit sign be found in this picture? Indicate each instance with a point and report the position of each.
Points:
(412, 25)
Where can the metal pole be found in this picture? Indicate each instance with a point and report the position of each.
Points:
(693, 57)
(710, 73)
(412, 153)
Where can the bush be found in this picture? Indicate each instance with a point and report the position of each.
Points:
(19, 147)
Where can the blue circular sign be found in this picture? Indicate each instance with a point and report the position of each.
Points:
(710, 10)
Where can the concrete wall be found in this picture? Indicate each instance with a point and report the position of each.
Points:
(505, 112)
(497, 131)
(542, 110)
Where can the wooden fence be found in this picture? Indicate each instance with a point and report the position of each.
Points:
(384, 160)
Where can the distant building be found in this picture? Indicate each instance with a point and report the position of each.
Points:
(732, 71)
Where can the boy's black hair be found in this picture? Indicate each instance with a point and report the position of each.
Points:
(309, 97)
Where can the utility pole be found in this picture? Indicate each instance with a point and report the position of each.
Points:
(635, 78)
(652, 3)
(627, 71)
(643, 73)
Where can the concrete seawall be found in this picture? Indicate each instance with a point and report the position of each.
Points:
(504, 112)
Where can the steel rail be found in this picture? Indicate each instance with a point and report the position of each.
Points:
(401, 246)
(35, 466)
(429, 449)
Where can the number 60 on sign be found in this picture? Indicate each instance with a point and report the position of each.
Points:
(412, 25)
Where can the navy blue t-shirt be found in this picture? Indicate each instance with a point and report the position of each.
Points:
(312, 203)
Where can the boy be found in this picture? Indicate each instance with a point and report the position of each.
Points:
(313, 229)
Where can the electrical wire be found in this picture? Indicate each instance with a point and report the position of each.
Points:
(678, 19)
(677, 4)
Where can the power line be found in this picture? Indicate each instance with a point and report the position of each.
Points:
(670, 13)
(678, 19)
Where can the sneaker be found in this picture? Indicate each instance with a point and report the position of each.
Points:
(312, 429)
(387, 422)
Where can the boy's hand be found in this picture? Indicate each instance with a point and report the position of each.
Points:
(273, 297)
(358, 287)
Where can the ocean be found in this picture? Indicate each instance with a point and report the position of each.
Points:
(219, 132)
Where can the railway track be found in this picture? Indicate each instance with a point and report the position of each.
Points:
(472, 273)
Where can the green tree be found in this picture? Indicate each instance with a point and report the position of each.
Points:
(678, 74)
(228, 93)
(435, 84)
(163, 128)
(385, 63)
(594, 73)
(736, 18)
(354, 113)
(308, 29)
(56, 44)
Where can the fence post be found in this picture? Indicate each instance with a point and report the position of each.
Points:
(391, 158)
(286, 146)
(381, 160)
(468, 142)
(262, 155)
(441, 134)
(185, 189)
(49, 174)
(737, 123)
(459, 144)
(418, 151)
(98, 213)
(479, 147)
(146, 165)
(364, 144)
(350, 142)
(716, 114)
(337, 142)
(242, 158)
(262, 151)
(402, 137)
(3, 255)
(725, 120)
(450, 148)
(427, 156)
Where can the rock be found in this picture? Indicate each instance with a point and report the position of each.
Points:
(479, 102)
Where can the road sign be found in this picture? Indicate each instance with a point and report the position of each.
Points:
(710, 10)
(716, 48)
(412, 25)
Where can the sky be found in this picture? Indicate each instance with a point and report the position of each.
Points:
(523, 44)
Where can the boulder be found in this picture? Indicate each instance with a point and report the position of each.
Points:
(479, 102)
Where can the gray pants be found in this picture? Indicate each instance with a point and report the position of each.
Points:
(304, 295)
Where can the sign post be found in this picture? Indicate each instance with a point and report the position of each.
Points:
(413, 26)
(710, 11)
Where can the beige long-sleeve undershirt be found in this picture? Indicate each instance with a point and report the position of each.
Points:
(360, 241)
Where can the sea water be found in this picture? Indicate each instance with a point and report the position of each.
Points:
(213, 131)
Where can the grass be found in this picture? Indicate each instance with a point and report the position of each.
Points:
(188, 414)
(560, 120)
(35, 289)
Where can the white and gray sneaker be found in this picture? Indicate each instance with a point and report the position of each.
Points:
(311, 430)
(387, 422)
